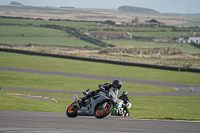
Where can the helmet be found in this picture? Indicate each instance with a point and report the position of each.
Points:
(124, 93)
(117, 84)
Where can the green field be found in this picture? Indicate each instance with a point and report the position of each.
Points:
(30, 31)
(159, 34)
(46, 41)
(38, 35)
(43, 22)
(86, 26)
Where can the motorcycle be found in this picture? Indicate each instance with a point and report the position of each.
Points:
(99, 105)
(119, 109)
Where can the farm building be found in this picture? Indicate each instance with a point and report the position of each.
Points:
(150, 23)
(108, 23)
(135, 22)
(188, 38)
(110, 35)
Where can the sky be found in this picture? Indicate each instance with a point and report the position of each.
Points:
(162, 6)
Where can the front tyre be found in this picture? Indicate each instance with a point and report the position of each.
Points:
(114, 112)
(72, 110)
(101, 113)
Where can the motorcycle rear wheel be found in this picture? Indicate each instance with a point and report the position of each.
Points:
(101, 113)
(71, 111)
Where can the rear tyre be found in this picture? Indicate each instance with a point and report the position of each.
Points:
(101, 113)
(72, 110)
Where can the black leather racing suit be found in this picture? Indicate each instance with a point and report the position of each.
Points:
(102, 87)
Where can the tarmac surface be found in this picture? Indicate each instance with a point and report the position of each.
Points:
(30, 122)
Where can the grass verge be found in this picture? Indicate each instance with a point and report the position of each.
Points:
(143, 107)
(166, 107)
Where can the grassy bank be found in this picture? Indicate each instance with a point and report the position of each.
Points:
(67, 65)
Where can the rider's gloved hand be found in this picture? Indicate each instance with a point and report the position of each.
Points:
(107, 86)
(101, 87)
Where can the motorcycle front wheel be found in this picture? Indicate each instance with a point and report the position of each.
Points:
(114, 112)
(103, 112)
(72, 110)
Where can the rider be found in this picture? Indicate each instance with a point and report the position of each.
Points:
(125, 98)
(115, 87)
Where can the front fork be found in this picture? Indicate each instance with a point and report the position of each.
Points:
(104, 105)
(76, 100)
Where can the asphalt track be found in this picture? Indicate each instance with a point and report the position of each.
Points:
(29, 121)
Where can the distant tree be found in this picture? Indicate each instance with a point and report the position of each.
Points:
(137, 10)
(15, 3)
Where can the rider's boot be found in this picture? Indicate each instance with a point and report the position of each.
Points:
(82, 102)
(85, 93)
(127, 113)
(86, 96)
